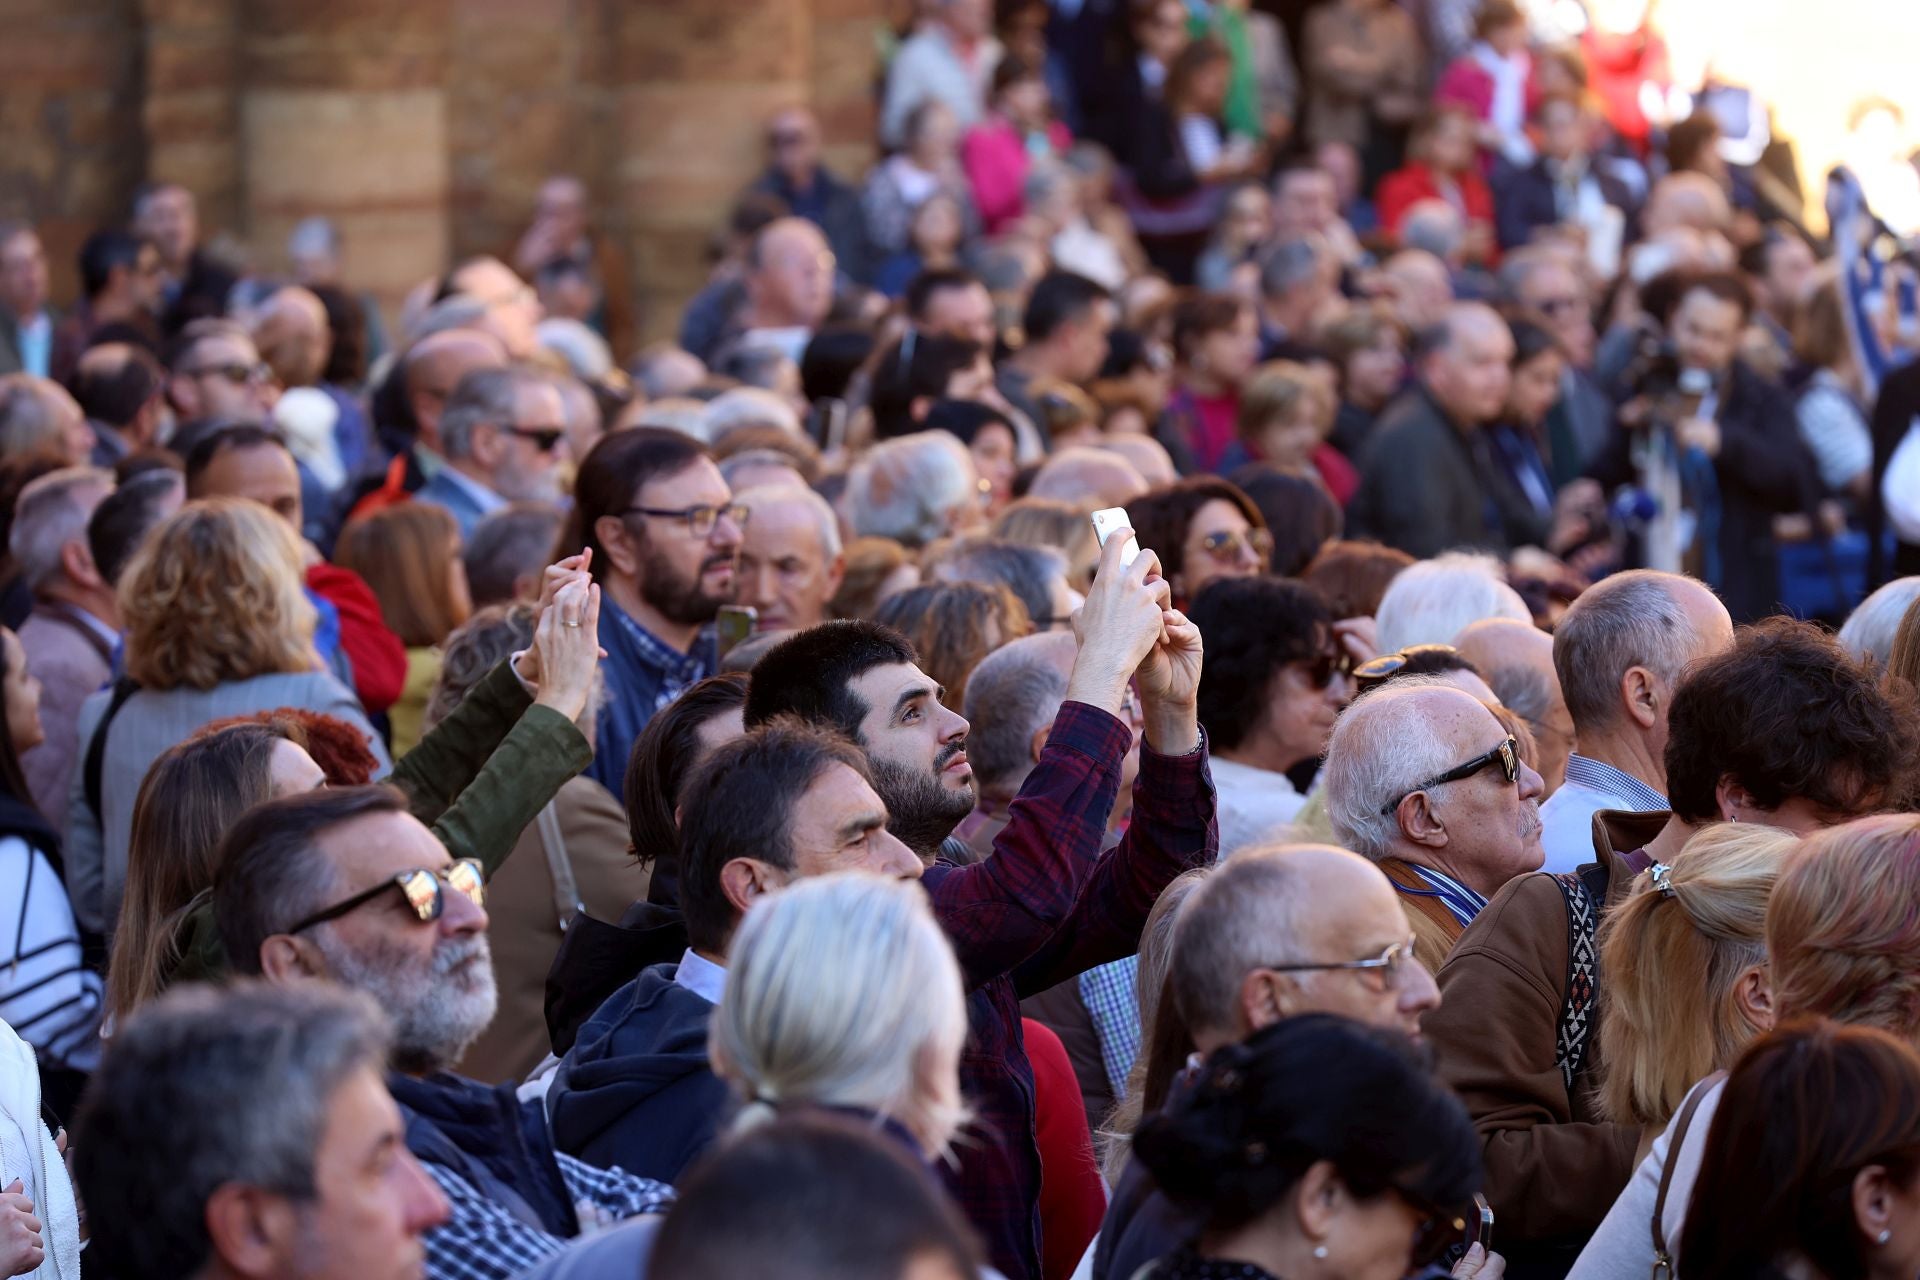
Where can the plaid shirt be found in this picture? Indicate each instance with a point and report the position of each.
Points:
(1045, 908)
(1111, 994)
(643, 674)
(483, 1240)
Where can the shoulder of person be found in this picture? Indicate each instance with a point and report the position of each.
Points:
(1524, 926)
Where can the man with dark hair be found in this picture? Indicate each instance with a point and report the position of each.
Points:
(194, 285)
(797, 177)
(1297, 277)
(1515, 1031)
(665, 533)
(503, 435)
(352, 635)
(952, 303)
(1741, 459)
(343, 884)
(120, 387)
(124, 518)
(1427, 474)
(218, 375)
(305, 1172)
(784, 802)
(120, 298)
(1067, 322)
(1046, 906)
(508, 552)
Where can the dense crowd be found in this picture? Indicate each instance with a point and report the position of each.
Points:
(486, 798)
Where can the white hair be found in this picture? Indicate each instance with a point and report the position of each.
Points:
(51, 512)
(908, 488)
(587, 355)
(1435, 600)
(767, 495)
(749, 407)
(842, 991)
(677, 413)
(1382, 748)
(1869, 631)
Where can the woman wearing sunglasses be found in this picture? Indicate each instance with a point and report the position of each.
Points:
(1203, 529)
(1317, 1149)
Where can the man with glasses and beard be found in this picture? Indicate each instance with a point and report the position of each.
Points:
(504, 435)
(344, 885)
(1046, 905)
(218, 375)
(663, 534)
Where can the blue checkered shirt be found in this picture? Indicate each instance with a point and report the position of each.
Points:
(482, 1240)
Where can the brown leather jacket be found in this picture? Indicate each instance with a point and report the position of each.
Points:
(1553, 1166)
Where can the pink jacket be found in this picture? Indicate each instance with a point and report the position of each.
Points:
(996, 160)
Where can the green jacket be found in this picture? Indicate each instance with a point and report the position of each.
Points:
(478, 778)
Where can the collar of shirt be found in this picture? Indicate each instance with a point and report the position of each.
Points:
(1633, 794)
(483, 497)
(701, 976)
(1461, 902)
(654, 651)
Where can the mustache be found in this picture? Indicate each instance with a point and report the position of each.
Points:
(947, 753)
(457, 953)
(715, 562)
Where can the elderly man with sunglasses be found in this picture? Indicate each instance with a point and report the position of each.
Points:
(1423, 780)
(345, 885)
(504, 435)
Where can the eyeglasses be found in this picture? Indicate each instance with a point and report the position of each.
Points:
(1557, 306)
(782, 141)
(1225, 546)
(1378, 670)
(423, 889)
(1390, 964)
(238, 373)
(1506, 755)
(1322, 670)
(700, 520)
(542, 438)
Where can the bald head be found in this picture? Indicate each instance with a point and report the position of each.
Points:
(1690, 201)
(292, 333)
(1468, 364)
(1622, 646)
(1420, 287)
(433, 368)
(1517, 660)
(1290, 905)
(789, 275)
(1148, 456)
(1012, 698)
(512, 308)
(1086, 476)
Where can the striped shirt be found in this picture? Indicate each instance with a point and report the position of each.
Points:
(46, 994)
(1462, 903)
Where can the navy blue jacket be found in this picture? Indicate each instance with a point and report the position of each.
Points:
(493, 1140)
(635, 1090)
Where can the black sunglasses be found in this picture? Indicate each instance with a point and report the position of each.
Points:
(1506, 755)
(543, 438)
(1378, 670)
(1322, 670)
(424, 890)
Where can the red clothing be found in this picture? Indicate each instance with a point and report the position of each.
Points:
(1341, 477)
(1072, 1197)
(996, 159)
(1211, 423)
(1404, 188)
(1618, 66)
(379, 659)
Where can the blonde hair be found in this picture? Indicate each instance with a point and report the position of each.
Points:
(1050, 522)
(1276, 391)
(214, 595)
(842, 991)
(1672, 960)
(1842, 929)
(406, 553)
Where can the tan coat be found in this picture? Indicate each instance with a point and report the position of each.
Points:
(1553, 1166)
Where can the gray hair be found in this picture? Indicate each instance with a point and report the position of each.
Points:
(1626, 620)
(1014, 693)
(1382, 747)
(1435, 600)
(460, 311)
(50, 513)
(1290, 264)
(749, 407)
(1042, 181)
(908, 488)
(842, 991)
(483, 397)
(475, 648)
(1434, 226)
(1243, 916)
(587, 355)
(1870, 628)
(1024, 569)
(677, 413)
(767, 495)
(733, 464)
(266, 1060)
(29, 415)
(1522, 690)
(508, 545)
(313, 237)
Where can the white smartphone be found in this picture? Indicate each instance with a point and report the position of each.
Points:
(1109, 519)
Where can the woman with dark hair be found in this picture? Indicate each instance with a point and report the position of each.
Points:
(667, 752)
(1317, 1147)
(1369, 350)
(1812, 1167)
(1202, 528)
(989, 436)
(1524, 485)
(1300, 514)
(1216, 344)
(1354, 574)
(918, 370)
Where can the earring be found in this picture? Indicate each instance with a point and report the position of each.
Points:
(1320, 1250)
(1885, 1235)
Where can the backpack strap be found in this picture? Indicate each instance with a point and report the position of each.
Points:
(566, 893)
(1575, 1029)
(123, 688)
(1662, 1260)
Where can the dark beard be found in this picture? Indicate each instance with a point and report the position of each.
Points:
(921, 811)
(675, 598)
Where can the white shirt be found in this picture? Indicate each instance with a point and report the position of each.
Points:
(1254, 806)
(1566, 819)
(1623, 1246)
(701, 976)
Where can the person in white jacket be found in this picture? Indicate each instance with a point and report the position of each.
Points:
(39, 1218)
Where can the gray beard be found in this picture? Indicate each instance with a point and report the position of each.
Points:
(438, 1010)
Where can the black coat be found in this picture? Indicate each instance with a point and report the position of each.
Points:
(1425, 485)
(1523, 201)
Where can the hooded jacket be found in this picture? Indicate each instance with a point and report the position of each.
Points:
(636, 1090)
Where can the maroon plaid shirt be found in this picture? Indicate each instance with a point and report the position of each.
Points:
(1046, 906)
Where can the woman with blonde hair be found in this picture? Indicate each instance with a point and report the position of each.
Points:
(843, 994)
(1842, 942)
(409, 555)
(217, 624)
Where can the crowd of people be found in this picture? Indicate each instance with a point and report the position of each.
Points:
(484, 797)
